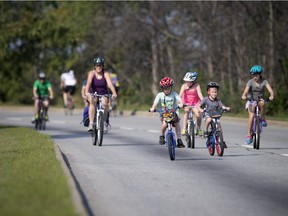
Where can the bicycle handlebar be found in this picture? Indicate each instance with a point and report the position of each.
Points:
(161, 111)
(95, 94)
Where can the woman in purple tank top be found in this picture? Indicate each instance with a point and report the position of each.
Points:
(99, 81)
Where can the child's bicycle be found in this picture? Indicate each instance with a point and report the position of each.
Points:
(215, 135)
(98, 127)
(168, 116)
(256, 128)
(191, 126)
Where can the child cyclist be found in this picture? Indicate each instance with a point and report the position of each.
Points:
(212, 104)
(253, 91)
(168, 99)
(191, 95)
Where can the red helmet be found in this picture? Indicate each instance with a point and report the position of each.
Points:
(166, 81)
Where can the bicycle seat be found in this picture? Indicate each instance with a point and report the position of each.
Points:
(216, 116)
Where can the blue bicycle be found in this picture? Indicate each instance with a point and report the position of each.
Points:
(168, 116)
(215, 135)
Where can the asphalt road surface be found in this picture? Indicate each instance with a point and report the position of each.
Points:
(131, 174)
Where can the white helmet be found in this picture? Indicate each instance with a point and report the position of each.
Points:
(190, 76)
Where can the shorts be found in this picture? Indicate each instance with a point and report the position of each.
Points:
(70, 89)
(250, 103)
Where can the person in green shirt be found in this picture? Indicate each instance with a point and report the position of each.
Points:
(41, 88)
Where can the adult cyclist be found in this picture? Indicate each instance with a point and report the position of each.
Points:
(68, 84)
(41, 88)
(99, 81)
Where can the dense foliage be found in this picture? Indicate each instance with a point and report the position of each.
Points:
(144, 41)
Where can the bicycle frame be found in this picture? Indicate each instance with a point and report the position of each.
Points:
(191, 127)
(215, 137)
(40, 123)
(256, 128)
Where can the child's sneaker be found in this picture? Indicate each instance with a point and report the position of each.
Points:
(206, 134)
(90, 128)
(184, 132)
(248, 140)
(199, 132)
(263, 122)
(180, 143)
(162, 140)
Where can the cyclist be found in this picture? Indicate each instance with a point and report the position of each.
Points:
(212, 104)
(191, 95)
(255, 90)
(168, 99)
(68, 84)
(99, 81)
(41, 88)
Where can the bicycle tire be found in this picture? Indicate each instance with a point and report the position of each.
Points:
(94, 132)
(192, 136)
(100, 129)
(188, 137)
(219, 142)
(257, 134)
(171, 147)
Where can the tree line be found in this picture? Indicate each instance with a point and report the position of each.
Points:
(144, 41)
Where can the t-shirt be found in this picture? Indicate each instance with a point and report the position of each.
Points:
(256, 91)
(68, 78)
(42, 89)
(170, 101)
(212, 107)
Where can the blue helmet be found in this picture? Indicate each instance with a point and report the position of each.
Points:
(256, 69)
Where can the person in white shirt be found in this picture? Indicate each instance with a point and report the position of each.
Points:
(68, 85)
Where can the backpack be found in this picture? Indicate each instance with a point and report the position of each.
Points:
(85, 116)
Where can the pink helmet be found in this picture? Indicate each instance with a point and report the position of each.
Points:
(166, 81)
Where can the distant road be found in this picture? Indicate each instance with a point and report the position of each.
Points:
(132, 175)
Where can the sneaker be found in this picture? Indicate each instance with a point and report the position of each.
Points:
(46, 118)
(199, 132)
(206, 134)
(107, 127)
(90, 127)
(225, 146)
(263, 122)
(184, 132)
(248, 140)
(162, 140)
(180, 143)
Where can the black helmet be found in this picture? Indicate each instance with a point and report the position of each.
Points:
(213, 85)
(41, 75)
(99, 61)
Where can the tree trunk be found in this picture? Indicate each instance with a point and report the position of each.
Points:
(271, 45)
(154, 65)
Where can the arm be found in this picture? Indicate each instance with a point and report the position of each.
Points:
(270, 91)
(245, 92)
(35, 92)
(50, 92)
(88, 84)
(110, 85)
(199, 92)
(182, 90)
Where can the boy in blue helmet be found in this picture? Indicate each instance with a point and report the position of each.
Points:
(255, 90)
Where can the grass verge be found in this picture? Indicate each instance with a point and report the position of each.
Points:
(32, 181)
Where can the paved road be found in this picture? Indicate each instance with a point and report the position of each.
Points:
(132, 175)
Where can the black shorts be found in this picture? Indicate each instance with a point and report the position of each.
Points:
(70, 89)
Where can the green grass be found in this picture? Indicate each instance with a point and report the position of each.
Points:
(31, 179)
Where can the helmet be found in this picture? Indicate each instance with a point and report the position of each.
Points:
(190, 76)
(99, 61)
(166, 81)
(41, 75)
(256, 69)
(213, 85)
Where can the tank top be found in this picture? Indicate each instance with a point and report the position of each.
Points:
(190, 96)
(99, 85)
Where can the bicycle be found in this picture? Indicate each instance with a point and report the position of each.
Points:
(168, 116)
(215, 135)
(40, 122)
(70, 104)
(256, 128)
(191, 127)
(98, 127)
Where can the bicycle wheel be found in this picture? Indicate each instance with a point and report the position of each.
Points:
(100, 128)
(219, 142)
(257, 134)
(171, 146)
(210, 145)
(94, 132)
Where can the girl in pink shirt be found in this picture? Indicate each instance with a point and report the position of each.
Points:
(191, 95)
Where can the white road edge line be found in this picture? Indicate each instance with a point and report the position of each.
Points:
(285, 155)
(126, 128)
(153, 131)
(247, 146)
